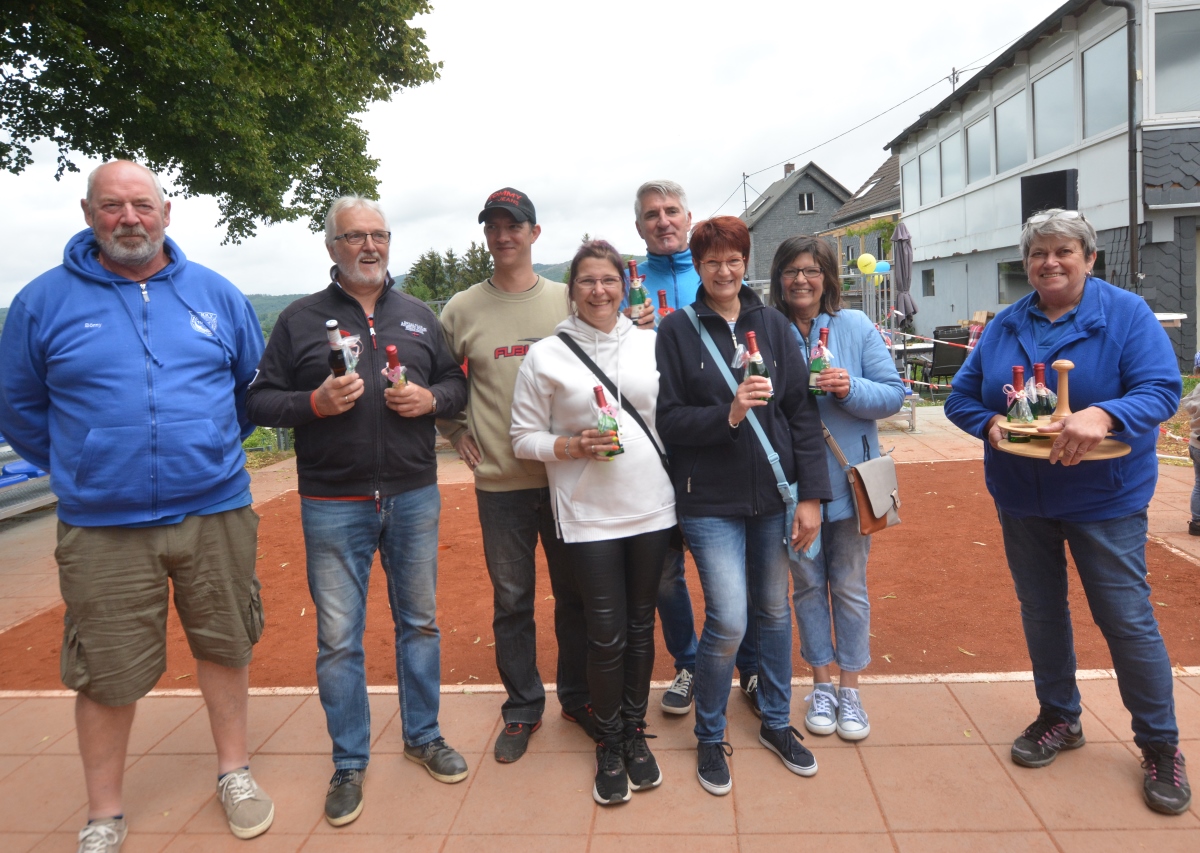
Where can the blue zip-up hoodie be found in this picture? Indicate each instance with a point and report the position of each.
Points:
(1124, 364)
(133, 399)
(673, 273)
(876, 391)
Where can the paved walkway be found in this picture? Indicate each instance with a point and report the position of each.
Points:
(934, 774)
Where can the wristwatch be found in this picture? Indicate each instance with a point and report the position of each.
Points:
(433, 406)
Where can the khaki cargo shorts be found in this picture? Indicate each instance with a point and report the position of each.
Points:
(114, 581)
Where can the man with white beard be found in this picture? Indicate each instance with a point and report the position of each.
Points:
(123, 373)
(368, 482)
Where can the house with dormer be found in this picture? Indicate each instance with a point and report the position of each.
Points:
(803, 201)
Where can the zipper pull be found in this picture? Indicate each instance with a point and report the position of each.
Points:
(145, 293)
(377, 504)
(371, 326)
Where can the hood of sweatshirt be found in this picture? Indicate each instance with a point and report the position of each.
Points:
(604, 348)
(82, 257)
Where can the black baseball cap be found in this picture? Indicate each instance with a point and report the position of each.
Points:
(514, 201)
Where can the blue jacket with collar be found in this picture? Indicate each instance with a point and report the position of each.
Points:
(876, 391)
(1124, 364)
(673, 273)
(133, 399)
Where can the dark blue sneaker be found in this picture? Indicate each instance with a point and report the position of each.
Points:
(712, 769)
(1041, 743)
(784, 743)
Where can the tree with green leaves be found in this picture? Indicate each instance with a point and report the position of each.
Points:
(251, 101)
(435, 278)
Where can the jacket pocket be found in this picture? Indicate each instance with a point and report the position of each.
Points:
(256, 620)
(189, 458)
(114, 466)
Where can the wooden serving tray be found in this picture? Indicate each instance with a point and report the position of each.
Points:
(1108, 449)
(1031, 428)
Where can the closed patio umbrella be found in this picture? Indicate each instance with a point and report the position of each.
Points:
(902, 271)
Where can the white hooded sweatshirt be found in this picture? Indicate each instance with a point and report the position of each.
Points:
(594, 499)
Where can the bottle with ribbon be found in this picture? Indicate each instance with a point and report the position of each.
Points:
(1019, 410)
(395, 372)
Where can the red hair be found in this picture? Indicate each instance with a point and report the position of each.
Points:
(719, 234)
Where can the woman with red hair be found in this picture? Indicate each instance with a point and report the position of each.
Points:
(732, 513)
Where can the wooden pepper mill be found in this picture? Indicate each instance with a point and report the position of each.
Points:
(1063, 409)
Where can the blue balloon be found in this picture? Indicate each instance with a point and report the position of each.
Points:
(883, 266)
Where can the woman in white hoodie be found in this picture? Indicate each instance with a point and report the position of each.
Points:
(615, 513)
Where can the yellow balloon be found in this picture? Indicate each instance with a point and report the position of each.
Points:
(866, 263)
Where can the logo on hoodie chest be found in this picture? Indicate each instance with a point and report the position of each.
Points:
(205, 323)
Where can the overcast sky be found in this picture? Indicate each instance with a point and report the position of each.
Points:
(576, 104)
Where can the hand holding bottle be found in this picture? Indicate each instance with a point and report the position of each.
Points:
(753, 392)
(409, 400)
(337, 394)
(593, 444)
(835, 381)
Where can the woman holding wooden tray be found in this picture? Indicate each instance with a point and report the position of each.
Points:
(1126, 382)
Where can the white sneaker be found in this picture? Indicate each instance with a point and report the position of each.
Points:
(248, 809)
(102, 836)
(821, 718)
(851, 718)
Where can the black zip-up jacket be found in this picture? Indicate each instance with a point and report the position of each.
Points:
(716, 470)
(368, 451)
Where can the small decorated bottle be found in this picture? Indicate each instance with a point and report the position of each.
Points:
(395, 370)
(820, 358)
(637, 293)
(608, 421)
(755, 366)
(1018, 407)
(337, 358)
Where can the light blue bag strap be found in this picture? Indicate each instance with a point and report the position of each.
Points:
(781, 482)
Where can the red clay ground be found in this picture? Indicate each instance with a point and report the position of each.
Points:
(941, 597)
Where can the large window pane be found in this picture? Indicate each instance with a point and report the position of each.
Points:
(1105, 85)
(1177, 61)
(1010, 133)
(930, 177)
(979, 150)
(952, 165)
(1054, 110)
(910, 185)
(1013, 282)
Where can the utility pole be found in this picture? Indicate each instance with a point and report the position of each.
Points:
(953, 78)
(745, 200)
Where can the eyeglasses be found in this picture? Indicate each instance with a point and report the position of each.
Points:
(734, 265)
(1059, 254)
(1062, 214)
(357, 238)
(610, 281)
(810, 273)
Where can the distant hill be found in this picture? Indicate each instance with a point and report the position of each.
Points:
(3, 316)
(268, 306)
(558, 272)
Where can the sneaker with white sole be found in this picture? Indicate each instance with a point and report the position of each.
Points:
(247, 808)
(103, 835)
(712, 769)
(786, 744)
(852, 721)
(821, 718)
(678, 698)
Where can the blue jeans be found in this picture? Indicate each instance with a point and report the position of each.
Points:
(837, 576)
(511, 524)
(741, 559)
(679, 626)
(1110, 556)
(1195, 454)
(341, 538)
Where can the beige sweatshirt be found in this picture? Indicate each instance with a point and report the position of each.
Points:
(492, 330)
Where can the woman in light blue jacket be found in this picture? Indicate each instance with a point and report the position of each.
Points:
(860, 387)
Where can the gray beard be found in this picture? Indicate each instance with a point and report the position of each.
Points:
(131, 256)
(354, 278)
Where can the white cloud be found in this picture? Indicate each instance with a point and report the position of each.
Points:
(577, 103)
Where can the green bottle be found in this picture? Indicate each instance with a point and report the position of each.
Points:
(1019, 410)
(637, 293)
(756, 366)
(608, 421)
(821, 359)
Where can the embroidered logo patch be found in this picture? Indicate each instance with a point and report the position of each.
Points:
(415, 328)
(205, 324)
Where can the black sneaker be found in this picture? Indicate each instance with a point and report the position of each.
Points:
(1194, 528)
(750, 691)
(712, 769)
(612, 783)
(514, 740)
(1041, 743)
(643, 770)
(1165, 787)
(344, 800)
(583, 717)
(790, 751)
(442, 762)
(678, 698)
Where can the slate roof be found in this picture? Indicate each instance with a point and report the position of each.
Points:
(763, 204)
(884, 194)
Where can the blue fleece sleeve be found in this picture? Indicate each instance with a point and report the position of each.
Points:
(1149, 374)
(879, 391)
(25, 413)
(964, 407)
(248, 353)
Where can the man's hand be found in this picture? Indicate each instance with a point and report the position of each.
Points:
(753, 392)
(337, 394)
(468, 450)
(409, 400)
(806, 525)
(1077, 434)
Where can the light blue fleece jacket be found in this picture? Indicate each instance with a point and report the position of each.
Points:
(673, 273)
(133, 400)
(876, 391)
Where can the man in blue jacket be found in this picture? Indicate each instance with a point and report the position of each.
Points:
(124, 374)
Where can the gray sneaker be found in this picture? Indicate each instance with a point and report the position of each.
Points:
(821, 718)
(852, 721)
(678, 698)
(442, 762)
(103, 835)
(247, 808)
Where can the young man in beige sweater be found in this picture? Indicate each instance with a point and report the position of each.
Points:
(492, 324)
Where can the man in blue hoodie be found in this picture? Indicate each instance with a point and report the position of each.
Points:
(123, 373)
